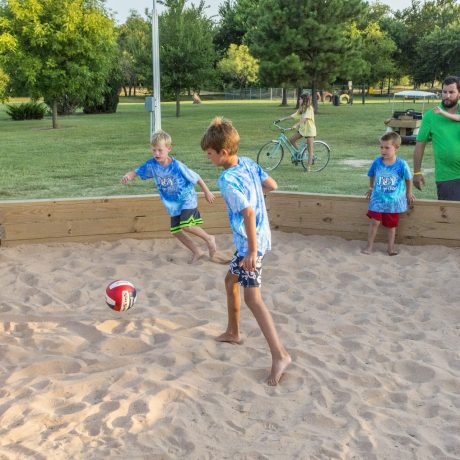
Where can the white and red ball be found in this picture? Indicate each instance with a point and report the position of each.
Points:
(120, 295)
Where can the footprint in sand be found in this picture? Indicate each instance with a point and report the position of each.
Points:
(414, 372)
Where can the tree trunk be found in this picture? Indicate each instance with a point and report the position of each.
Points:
(297, 102)
(363, 94)
(177, 104)
(55, 114)
(125, 91)
(284, 97)
(314, 97)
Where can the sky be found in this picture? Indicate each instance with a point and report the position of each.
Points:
(121, 8)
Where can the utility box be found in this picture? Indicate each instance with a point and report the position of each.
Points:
(150, 104)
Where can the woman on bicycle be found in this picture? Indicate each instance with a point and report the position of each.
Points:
(305, 126)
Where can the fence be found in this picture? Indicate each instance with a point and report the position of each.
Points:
(259, 93)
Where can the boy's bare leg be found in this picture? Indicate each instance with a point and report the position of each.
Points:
(232, 334)
(189, 243)
(391, 242)
(280, 357)
(372, 232)
(200, 233)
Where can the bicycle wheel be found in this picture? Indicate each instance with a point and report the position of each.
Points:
(321, 156)
(270, 155)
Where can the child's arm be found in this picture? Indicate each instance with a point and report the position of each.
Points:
(128, 177)
(451, 116)
(269, 185)
(409, 195)
(371, 186)
(207, 193)
(249, 261)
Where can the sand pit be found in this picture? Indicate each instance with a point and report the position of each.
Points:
(374, 339)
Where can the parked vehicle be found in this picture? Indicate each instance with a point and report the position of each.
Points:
(406, 122)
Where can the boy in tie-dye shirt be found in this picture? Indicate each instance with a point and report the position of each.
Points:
(243, 184)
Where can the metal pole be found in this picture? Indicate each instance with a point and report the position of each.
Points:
(156, 69)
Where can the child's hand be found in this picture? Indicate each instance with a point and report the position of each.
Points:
(437, 110)
(209, 197)
(410, 198)
(248, 262)
(368, 194)
(129, 176)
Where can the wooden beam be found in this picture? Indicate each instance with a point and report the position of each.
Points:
(144, 216)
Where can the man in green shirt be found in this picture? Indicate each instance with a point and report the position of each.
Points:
(445, 135)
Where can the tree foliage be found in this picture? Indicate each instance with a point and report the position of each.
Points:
(238, 65)
(59, 48)
(234, 24)
(187, 54)
(437, 55)
(302, 42)
(135, 47)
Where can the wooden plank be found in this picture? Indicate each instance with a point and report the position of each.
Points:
(94, 219)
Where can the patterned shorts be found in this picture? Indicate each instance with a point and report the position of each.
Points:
(186, 218)
(245, 278)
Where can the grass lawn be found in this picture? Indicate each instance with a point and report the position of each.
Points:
(88, 154)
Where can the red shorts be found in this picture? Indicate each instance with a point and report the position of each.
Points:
(388, 219)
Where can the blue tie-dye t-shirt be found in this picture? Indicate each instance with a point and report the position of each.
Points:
(175, 183)
(389, 191)
(241, 188)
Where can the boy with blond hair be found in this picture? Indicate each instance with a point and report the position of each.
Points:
(176, 186)
(389, 191)
(243, 184)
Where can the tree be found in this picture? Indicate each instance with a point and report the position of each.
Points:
(61, 48)
(135, 44)
(234, 23)
(375, 51)
(239, 65)
(302, 42)
(418, 21)
(187, 55)
(437, 55)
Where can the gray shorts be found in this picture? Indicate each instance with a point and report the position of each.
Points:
(245, 278)
(449, 190)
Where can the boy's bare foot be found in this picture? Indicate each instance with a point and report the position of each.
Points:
(278, 368)
(229, 337)
(366, 251)
(212, 248)
(220, 258)
(393, 253)
(195, 258)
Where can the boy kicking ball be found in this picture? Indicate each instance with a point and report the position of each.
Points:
(176, 186)
(243, 184)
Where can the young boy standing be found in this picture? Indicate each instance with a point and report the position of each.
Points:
(389, 191)
(176, 186)
(243, 184)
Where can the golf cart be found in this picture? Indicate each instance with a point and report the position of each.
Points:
(407, 122)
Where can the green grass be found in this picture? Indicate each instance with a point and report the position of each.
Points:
(88, 154)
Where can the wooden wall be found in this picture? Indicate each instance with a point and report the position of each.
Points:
(94, 219)
(428, 222)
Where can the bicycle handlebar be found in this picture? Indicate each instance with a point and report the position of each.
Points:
(281, 128)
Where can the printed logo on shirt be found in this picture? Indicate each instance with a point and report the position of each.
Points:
(388, 183)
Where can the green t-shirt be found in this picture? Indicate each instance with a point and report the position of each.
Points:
(445, 135)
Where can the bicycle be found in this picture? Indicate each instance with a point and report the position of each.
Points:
(271, 153)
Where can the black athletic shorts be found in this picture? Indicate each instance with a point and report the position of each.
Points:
(449, 190)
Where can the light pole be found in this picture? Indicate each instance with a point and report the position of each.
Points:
(155, 116)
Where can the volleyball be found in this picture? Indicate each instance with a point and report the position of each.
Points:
(120, 295)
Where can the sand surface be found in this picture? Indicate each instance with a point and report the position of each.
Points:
(374, 339)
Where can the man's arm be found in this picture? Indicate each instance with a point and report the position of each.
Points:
(418, 178)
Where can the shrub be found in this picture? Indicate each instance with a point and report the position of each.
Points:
(27, 111)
